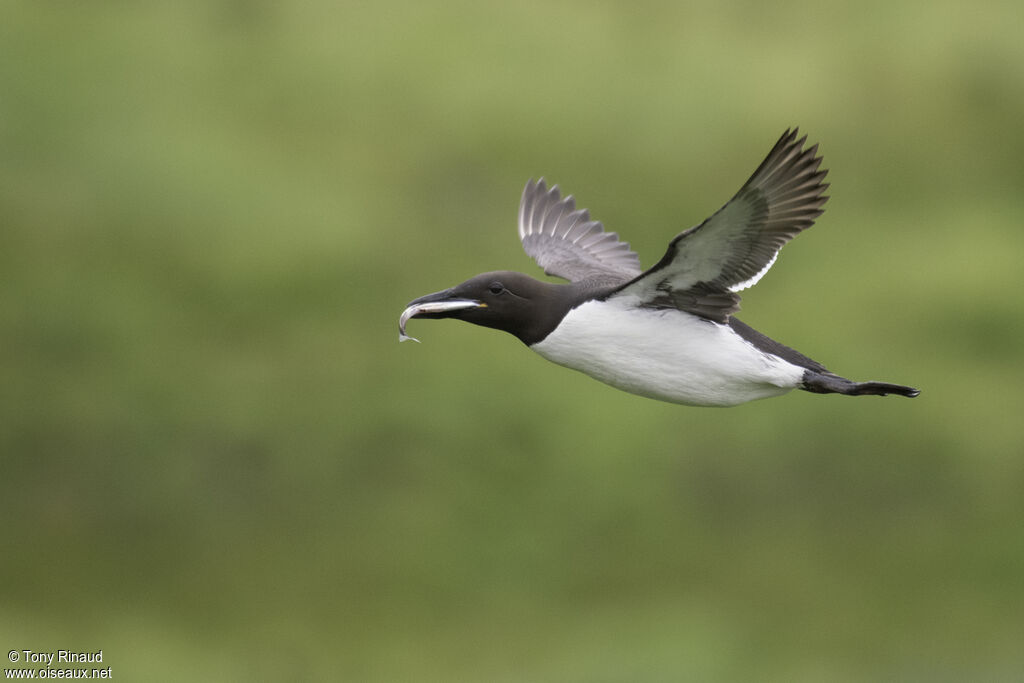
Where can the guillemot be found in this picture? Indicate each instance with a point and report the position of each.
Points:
(668, 332)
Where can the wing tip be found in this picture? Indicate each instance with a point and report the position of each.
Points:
(790, 166)
(536, 194)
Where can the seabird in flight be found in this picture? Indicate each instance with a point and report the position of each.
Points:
(667, 332)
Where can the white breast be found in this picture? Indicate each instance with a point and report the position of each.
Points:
(667, 355)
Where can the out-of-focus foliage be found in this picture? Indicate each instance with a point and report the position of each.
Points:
(217, 459)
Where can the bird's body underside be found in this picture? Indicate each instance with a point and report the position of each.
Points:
(666, 333)
(706, 363)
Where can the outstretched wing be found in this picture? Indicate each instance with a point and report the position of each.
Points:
(566, 243)
(707, 265)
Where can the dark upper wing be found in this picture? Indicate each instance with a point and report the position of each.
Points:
(566, 243)
(706, 265)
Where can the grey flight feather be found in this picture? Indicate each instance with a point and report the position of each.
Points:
(707, 265)
(566, 243)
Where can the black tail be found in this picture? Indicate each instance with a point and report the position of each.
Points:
(823, 383)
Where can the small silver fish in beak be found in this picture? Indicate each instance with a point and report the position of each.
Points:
(414, 309)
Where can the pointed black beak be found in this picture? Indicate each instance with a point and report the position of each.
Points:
(437, 305)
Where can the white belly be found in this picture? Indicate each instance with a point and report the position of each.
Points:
(666, 355)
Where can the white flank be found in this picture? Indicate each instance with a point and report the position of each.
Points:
(667, 355)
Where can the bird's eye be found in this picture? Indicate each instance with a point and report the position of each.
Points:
(496, 288)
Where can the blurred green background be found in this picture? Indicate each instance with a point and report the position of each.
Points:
(218, 463)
